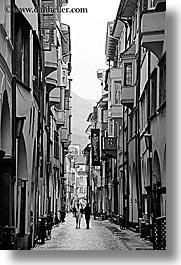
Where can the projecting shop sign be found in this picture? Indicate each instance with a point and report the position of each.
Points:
(95, 147)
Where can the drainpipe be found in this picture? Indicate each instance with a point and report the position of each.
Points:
(14, 140)
(137, 121)
(124, 214)
(127, 168)
(123, 137)
(48, 159)
(150, 148)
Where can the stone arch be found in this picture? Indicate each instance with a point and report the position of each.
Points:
(156, 185)
(22, 174)
(5, 126)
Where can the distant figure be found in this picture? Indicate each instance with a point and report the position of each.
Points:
(87, 214)
(79, 211)
(49, 225)
(74, 211)
(62, 216)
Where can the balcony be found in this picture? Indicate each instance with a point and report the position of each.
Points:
(60, 117)
(51, 81)
(127, 8)
(51, 60)
(115, 73)
(116, 112)
(54, 96)
(66, 138)
(153, 32)
(128, 95)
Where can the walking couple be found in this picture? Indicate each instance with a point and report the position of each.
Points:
(78, 213)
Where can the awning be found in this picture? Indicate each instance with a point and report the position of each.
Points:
(66, 44)
(129, 52)
(24, 101)
(32, 17)
(55, 93)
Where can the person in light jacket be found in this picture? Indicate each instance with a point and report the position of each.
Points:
(78, 215)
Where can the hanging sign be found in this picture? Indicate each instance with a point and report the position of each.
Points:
(95, 147)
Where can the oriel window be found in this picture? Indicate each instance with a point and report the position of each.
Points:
(128, 74)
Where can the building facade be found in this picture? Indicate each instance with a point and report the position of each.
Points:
(35, 118)
(133, 117)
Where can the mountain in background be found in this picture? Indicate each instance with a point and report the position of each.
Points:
(81, 108)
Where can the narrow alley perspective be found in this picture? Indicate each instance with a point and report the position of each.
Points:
(102, 235)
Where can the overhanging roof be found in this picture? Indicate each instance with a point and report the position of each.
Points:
(118, 28)
(126, 8)
(111, 42)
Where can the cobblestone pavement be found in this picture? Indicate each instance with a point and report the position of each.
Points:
(102, 235)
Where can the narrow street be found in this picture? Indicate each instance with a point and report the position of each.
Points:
(102, 235)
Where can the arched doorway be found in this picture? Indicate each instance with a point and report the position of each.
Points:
(163, 184)
(6, 166)
(34, 200)
(22, 174)
(156, 185)
(6, 141)
(133, 209)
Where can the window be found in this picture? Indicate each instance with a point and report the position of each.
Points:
(128, 74)
(35, 65)
(73, 176)
(56, 145)
(153, 91)
(162, 87)
(104, 115)
(131, 122)
(143, 112)
(111, 127)
(81, 189)
(117, 94)
(81, 179)
(22, 49)
(67, 96)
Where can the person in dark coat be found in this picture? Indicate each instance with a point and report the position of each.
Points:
(87, 214)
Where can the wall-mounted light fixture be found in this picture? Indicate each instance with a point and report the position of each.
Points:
(19, 126)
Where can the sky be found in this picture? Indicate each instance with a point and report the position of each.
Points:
(88, 37)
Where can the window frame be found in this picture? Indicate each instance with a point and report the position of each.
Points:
(128, 74)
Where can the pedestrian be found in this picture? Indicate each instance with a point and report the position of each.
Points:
(62, 216)
(79, 211)
(49, 225)
(74, 211)
(87, 214)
